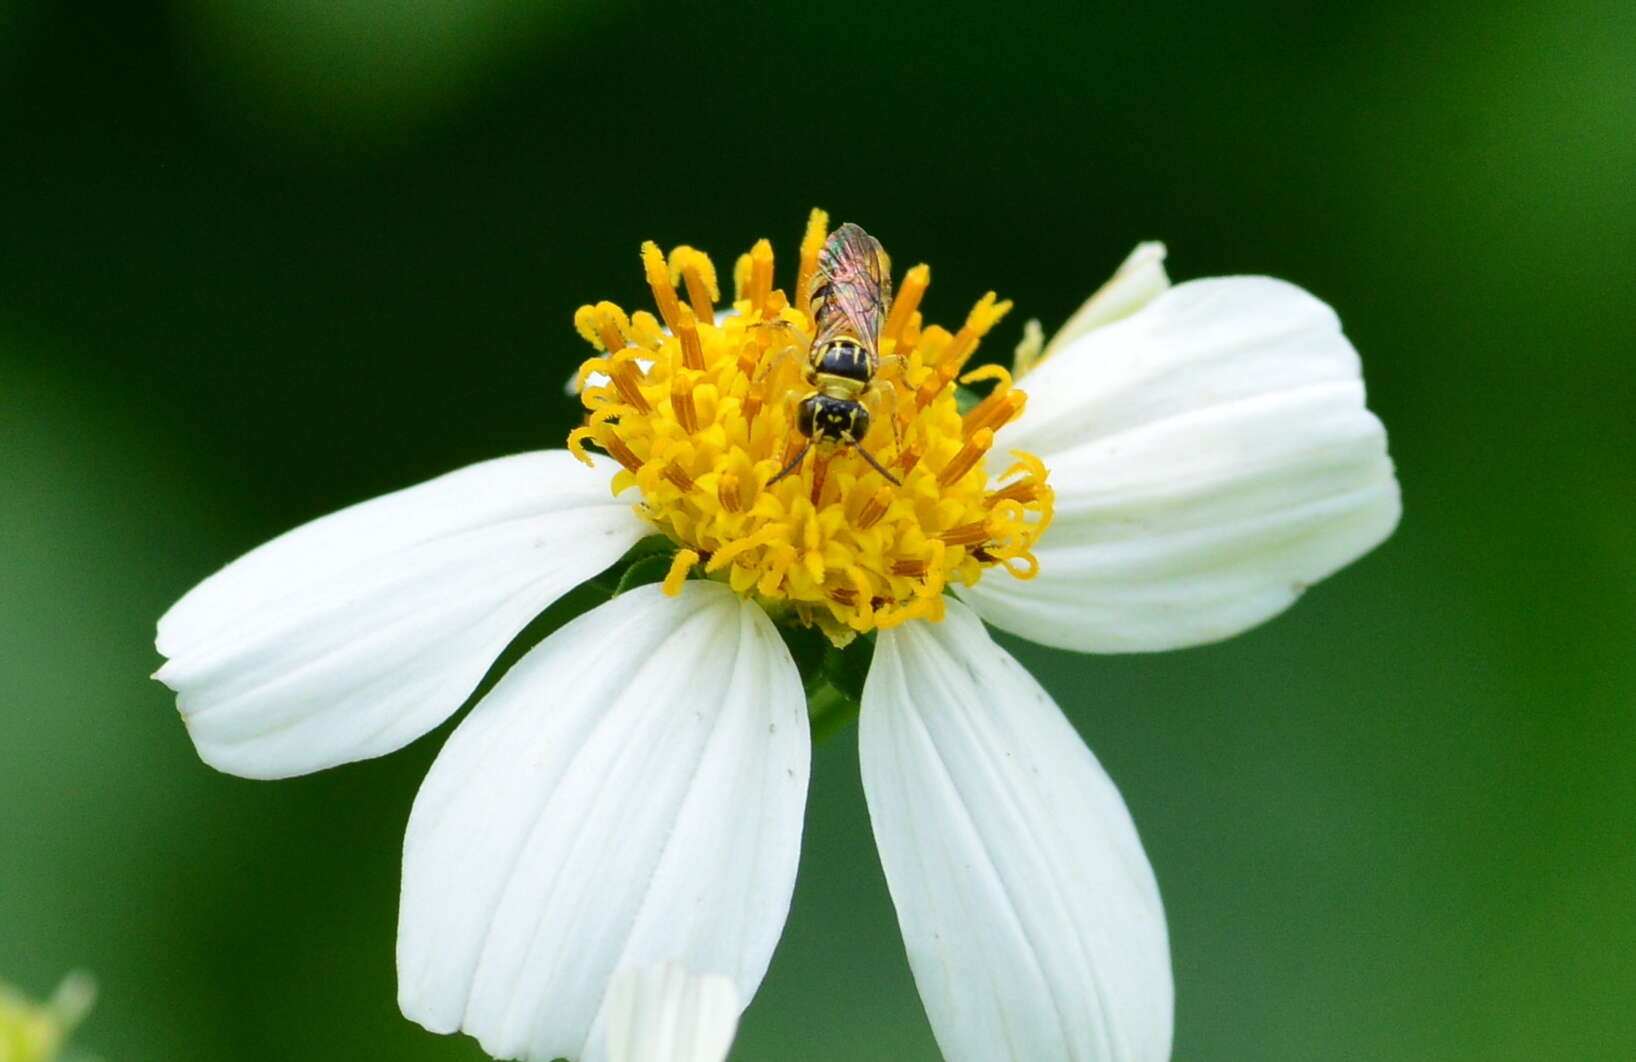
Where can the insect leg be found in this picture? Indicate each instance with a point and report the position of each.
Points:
(878, 390)
(772, 364)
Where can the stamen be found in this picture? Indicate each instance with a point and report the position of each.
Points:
(627, 379)
(723, 556)
(933, 343)
(935, 581)
(984, 316)
(966, 534)
(612, 326)
(606, 415)
(811, 244)
(610, 441)
(1026, 464)
(676, 475)
(994, 412)
(761, 276)
(865, 617)
(989, 372)
(1030, 566)
(912, 335)
(664, 292)
(820, 471)
(964, 461)
(887, 620)
(586, 320)
(681, 401)
(576, 444)
(874, 508)
(728, 492)
(915, 283)
(936, 383)
(1009, 510)
(695, 269)
(780, 560)
(1024, 490)
(589, 366)
(749, 353)
(680, 565)
(688, 330)
(645, 332)
(911, 569)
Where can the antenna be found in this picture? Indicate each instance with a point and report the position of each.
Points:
(874, 464)
(796, 463)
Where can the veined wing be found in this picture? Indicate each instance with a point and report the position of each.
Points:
(854, 288)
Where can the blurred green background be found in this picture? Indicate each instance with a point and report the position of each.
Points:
(263, 259)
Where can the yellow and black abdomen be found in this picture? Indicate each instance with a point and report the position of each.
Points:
(840, 369)
(844, 359)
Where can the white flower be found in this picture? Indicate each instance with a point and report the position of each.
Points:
(670, 1014)
(1212, 458)
(630, 794)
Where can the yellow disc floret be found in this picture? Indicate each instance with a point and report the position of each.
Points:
(699, 407)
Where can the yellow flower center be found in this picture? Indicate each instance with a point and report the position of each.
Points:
(700, 409)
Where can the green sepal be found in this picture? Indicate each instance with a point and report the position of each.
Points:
(616, 578)
(846, 669)
(835, 698)
(647, 570)
(808, 647)
(832, 677)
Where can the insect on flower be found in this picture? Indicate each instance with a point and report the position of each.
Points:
(848, 303)
(604, 851)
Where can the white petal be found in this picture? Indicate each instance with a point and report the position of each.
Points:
(1139, 280)
(354, 634)
(1211, 456)
(669, 1014)
(1031, 916)
(630, 793)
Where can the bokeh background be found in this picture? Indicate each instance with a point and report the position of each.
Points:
(266, 258)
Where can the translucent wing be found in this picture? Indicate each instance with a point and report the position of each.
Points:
(854, 288)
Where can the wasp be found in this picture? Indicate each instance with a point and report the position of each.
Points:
(850, 298)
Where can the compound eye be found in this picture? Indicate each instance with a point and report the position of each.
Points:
(806, 414)
(860, 423)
